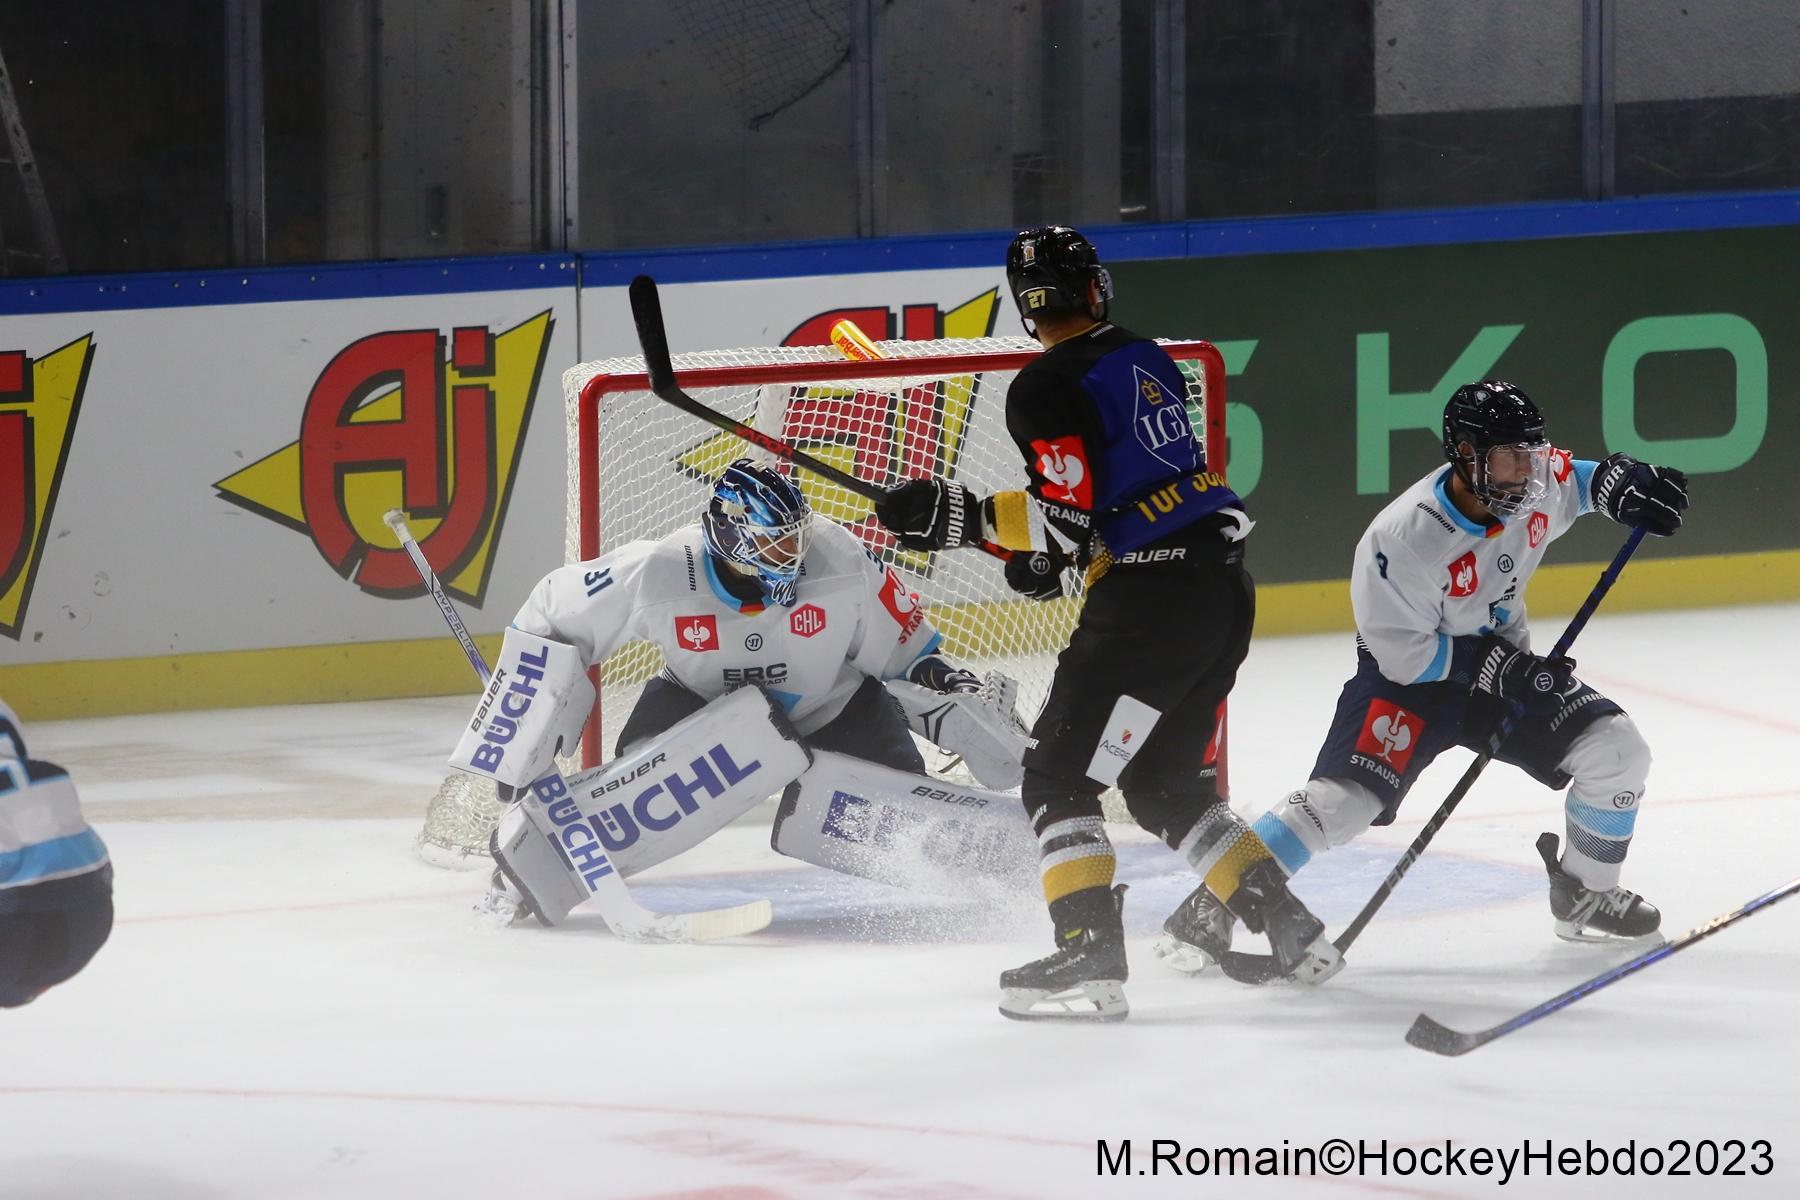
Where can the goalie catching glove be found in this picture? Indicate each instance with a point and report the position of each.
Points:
(967, 715)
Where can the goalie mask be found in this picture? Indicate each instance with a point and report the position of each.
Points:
(1494, 439)
(1049, 270)
(758, 521)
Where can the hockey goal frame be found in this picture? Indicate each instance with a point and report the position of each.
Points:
(594, 392)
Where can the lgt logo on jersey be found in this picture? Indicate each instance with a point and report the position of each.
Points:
(698, 634)
(1463, 579)
(807, 620)
(1065, 471)
(1536, 527)
(902, 605)
(1390, 733)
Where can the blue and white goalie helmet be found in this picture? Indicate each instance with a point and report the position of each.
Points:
(759, 521)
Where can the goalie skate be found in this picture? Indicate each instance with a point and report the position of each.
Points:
(1584, 915)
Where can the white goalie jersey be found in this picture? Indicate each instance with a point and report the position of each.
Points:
(853, 619)
(1425, 574)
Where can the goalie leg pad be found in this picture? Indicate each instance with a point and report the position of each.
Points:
(565, 835)
(983, 727)
(532, 710)
(907, 830)
(677, 788)
(526, 851)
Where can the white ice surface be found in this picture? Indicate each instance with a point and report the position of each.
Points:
(293, 1006)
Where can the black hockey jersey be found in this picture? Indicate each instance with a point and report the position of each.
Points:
(1103, 424)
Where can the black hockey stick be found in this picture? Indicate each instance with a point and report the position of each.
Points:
(1260, 968)
(1427, 1034)
(646, 311)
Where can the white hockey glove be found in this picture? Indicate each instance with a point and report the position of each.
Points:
(982, 726)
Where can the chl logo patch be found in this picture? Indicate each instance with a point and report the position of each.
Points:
(698, 634)
(1536, 528)
(1463, 579)
(1390, 733)
(807, 620)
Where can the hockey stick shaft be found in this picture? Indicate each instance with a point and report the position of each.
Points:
(1559, 652)
(653, 337)
(622, 914)
(1428, 1034)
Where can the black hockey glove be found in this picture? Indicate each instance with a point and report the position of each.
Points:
(1036, 573)
(1638, 494)
(1520, 676)
(938, 675)
(930, 514)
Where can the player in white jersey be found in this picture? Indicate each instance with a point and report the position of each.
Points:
(757, 592)
(1443, 646)
(55, 876)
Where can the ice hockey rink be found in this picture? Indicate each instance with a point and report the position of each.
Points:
(292, 1005)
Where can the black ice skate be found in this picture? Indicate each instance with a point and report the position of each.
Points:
(1296, 938)
(1084, 980)
(1197, 934)
(1588, 916)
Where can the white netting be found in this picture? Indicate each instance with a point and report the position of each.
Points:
(640, 468)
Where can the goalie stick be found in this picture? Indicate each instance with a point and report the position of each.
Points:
(623, 915)
(1260, 968)
(653, 337)
(1428, 1034)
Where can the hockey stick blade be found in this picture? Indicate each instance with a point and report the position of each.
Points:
(1428, 1034)
(623, 915)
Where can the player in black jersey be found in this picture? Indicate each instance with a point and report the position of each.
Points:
(1119, 488)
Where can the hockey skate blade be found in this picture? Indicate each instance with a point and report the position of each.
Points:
(1428, 1034)
(1105, 998)
(1183, 957)
(1568, 931)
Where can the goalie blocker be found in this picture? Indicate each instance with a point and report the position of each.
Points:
(646, 806)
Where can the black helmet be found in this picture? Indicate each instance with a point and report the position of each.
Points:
(1489, 414)
(1049, 269)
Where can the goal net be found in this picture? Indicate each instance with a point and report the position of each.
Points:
(640, 469)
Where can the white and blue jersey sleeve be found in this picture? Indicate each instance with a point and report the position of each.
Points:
(43, 835)
(1424, 574)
